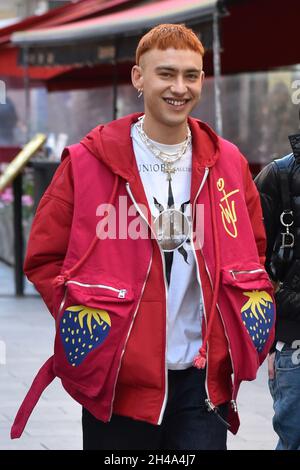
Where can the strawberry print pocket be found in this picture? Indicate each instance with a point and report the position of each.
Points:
(247, 308)
(92, 328)
(82, 330)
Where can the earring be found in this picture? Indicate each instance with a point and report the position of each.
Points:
(140, 92)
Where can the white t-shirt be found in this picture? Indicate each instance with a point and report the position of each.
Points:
(184, 300)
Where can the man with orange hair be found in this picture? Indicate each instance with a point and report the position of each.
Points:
(148, 249)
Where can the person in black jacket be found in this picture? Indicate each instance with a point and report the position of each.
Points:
(283, 266)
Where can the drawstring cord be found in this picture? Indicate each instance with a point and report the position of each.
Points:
(200, 359)
(62, 278)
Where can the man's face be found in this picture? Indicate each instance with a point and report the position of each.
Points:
(171, 80)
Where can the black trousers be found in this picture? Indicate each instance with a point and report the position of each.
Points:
(187, 424)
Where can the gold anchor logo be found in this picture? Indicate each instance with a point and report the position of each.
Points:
(228, 209)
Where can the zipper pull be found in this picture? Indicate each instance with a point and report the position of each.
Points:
(211, 407)
(234, 405)
(122, 294)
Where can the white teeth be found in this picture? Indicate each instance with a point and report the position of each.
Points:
(175, 102)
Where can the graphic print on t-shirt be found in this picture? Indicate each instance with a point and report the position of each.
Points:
(171, 212)
(172, 229)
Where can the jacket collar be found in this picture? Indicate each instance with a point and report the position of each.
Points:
(112, 144)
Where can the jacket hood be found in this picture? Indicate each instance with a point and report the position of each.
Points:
(111, 143)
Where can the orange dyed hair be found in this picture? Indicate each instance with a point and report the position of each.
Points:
(164, 36)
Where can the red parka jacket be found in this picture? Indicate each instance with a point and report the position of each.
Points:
(108, 294)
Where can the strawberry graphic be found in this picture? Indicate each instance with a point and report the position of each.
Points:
(258, 316)
(83, 329)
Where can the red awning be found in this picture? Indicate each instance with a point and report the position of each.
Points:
(90, 34)
(72, 12)
(254, 35)
(101, 18)
(128, 21)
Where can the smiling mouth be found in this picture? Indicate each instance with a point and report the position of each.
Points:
(176, 102)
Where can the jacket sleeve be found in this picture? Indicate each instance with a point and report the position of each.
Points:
(50, 233)
(254, 210)
(267, 185)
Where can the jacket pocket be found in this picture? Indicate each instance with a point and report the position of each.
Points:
(248, 310)
(92, 326)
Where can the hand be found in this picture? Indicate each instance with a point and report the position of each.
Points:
(271, 365)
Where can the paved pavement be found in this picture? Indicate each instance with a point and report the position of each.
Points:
(27, 333)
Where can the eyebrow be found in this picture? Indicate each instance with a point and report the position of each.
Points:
(174, 69)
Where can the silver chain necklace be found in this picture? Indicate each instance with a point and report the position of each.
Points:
(167, 158)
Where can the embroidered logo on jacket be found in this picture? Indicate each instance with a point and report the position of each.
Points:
(82, 330)
(228, 212)
(258, 316)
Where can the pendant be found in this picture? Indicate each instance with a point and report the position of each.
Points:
(167, 169)
(172, 228)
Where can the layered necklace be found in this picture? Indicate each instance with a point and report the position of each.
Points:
(168, 159)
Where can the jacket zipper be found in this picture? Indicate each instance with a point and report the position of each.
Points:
(198, 273)
(209, 404)
(166, 367)
(253, 271)
(233, 273)
(232, 402)
(121, 292)
(166, 294)
(127, 337)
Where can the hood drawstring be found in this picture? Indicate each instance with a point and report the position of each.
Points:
(200, 359)
(62, 278)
